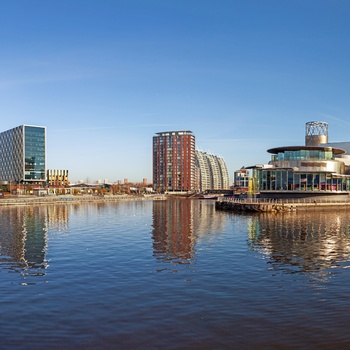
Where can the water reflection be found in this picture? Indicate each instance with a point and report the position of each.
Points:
(304, 242)
(177, 225)
(57, 217)
(23, 237)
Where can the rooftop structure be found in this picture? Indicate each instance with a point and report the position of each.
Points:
(316, 133)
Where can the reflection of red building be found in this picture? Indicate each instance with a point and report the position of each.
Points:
(173, 229)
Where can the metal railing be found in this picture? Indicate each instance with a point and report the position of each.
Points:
(285, 200)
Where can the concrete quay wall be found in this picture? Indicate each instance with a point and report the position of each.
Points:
(71, 199)
(276, 206)
(250, 206)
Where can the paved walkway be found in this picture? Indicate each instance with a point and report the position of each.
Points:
(66, 199)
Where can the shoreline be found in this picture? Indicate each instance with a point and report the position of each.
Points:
(73, 199)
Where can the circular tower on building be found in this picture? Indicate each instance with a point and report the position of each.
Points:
(316, 133)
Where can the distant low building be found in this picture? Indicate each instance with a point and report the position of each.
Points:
(57, 178)
(241, 180)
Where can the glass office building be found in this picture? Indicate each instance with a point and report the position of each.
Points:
(303, 171)
(23, 155)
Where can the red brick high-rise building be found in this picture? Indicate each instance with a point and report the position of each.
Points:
(174, 161)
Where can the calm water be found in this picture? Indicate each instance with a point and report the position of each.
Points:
(172, 275)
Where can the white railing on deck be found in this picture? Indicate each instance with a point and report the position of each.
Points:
(285, 200)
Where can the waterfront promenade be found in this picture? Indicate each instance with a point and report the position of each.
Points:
(73, 199)
(280, 205)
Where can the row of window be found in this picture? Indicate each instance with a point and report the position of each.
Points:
(288, 180)
(303, 154)
(34, 153)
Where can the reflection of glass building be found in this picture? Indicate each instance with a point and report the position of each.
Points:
(213, 171)
(35, 237)
(314, 242)
(23, 154)
(23, 237)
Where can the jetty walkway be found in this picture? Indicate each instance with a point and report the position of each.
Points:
(280, 205)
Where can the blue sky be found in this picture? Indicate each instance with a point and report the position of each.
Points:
(105, 76)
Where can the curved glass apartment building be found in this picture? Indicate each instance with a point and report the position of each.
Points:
(213, 173)
(23, 155)
(302, 171)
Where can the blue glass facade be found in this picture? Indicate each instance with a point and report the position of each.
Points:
(23, 154)
(34, 153)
